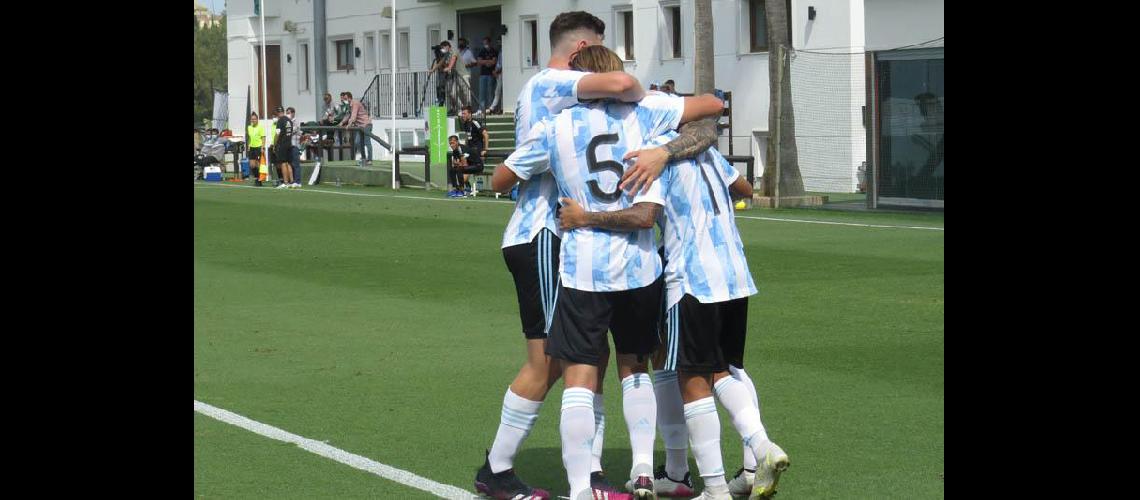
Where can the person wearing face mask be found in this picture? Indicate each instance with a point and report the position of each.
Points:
(445, 80)
(467, 59)
(488, 57)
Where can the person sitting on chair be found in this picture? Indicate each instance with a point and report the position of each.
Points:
(461, 163)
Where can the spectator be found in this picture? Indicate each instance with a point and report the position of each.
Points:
(669, 87)
(467, 59)
(255, 135)
(488, 57)
(461, 164)
(295, 146)
(358, 117)
(477, 136)
(497, 105)
(284, 146)
(445, 83)
(329, 118)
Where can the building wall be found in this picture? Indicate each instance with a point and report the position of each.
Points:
(895, 23)
(838, 28)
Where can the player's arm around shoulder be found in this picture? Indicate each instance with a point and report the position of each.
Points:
(612, 84)
(640, 216)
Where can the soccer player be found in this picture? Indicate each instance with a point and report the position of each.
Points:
(707, 285)
(531, 245)
(610, 281)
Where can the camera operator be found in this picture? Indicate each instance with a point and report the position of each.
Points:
(445, 65)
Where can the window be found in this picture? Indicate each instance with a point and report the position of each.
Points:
(344, 54)
(370, 52)
(624, 33)
(433, 39)
(385, 50)
(758, 25)
(530, 43)
(304, 66)
(402, 47)
(673, 25)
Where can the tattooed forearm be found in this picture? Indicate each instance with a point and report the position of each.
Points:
(639, 216)
(696, 136)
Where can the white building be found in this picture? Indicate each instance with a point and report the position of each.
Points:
(655, 36)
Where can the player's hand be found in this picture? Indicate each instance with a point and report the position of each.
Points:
(650, 162)
(483, 153)
(571, 215)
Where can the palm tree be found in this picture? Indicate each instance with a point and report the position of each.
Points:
(703, 57)
(780, 90)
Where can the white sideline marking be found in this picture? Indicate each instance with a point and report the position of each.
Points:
(512, 203)
(315, 190)
(352, 460)
(839, 223)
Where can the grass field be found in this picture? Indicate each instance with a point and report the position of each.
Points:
(387, 326)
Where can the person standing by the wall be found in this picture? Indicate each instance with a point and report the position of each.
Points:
(488, 57)
(358, 117)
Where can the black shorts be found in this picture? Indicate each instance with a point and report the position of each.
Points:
(254, 153)
(704, 338)
(534, 266)
(581, 320)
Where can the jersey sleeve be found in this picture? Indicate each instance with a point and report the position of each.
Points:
(558, 90)
(727, 172)
(656, 194)
(533, 156)
(659, 113)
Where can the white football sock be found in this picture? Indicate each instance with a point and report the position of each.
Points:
(671, 421)
(518, 417)
(576, 426)
(599, 432)
(704, 436)
(742, 376)
(734, 396)
(640, 409)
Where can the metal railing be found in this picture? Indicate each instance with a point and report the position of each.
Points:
(415, 91)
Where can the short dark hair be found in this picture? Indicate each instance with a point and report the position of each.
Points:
(669, 82)
(486, 39)
(468, 109)
(456, 137)
(445, 42)
(349, 94)
(573, 21)
(290, 110)
(253, 114)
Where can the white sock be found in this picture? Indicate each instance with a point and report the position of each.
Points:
(577, 428)
(704, 436)
(518, 417)
(640, 408)
(742, 376)
(733, 395)
(671, 422)
(599, 432)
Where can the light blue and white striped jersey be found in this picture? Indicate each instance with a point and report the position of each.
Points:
(583, 147)
(543, 96)
(704, 256)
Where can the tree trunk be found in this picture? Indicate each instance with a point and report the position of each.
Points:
(703, 55)
(791, 184)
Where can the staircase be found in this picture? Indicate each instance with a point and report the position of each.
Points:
(501, 129)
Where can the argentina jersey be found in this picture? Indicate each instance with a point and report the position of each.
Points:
(543, 96)
(583, 147)
(704, 256)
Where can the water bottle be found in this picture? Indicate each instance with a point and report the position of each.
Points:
(479, 184)
(338, 181)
